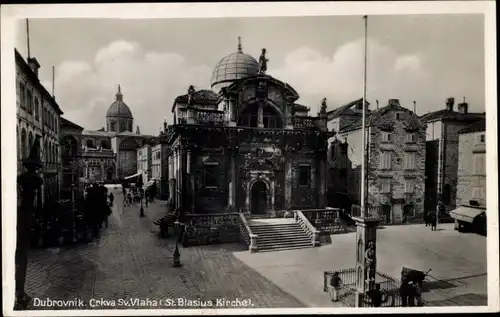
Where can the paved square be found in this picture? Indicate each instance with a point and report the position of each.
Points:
(458, 263)
(131, 261)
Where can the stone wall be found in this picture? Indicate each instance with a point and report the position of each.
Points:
(210, 199)
(127, 160)
(466, 180)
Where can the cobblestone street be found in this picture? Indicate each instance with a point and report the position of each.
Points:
(129, 261)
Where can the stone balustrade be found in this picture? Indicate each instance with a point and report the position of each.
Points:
(246, 233)
(311, 231)
(212, 229)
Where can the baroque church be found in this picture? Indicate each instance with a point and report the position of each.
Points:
(245, 144)
(110, 153)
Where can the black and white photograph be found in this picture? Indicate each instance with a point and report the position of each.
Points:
(311, 158)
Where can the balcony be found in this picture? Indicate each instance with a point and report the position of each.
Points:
(309, 123)
(479, 148)
(201, 116)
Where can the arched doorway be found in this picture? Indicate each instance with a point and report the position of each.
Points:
(259, 198)
(386, 211)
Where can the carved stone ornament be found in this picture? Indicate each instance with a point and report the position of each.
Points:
(260, 159)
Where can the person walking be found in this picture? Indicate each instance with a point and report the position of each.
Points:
(376, 296)
(28, 183)
(335, 286)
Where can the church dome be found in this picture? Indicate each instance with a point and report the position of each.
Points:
(233, 67)
(119, 109)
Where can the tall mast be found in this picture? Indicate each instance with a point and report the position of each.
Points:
(28, 37)
(363, 124)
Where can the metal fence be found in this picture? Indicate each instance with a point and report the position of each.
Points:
(347, 294)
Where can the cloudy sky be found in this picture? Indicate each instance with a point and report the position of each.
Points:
(424, 58)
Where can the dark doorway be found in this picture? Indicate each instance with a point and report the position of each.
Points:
(386, 211)
(259, 198)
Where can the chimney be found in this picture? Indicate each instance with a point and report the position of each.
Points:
(450, 102)
(137, 131)
(463, 107)
(393, 102)
(377, 104)
(34, 65)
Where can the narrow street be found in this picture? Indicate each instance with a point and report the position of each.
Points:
(130, 262)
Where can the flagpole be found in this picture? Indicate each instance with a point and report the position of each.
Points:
(363, 136)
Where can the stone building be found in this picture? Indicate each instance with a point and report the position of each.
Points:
(247, 146)
(471, 180)
(144, 162)
(71, 159)
(442, 136)
(395, 163)
(38, 114)
(111, 154)
(159, 161)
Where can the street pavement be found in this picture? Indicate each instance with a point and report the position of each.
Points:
(129, 262)
(458, 263)
(130, 265)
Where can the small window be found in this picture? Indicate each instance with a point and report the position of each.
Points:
(410, 160)
(398, 115)
(479, 164)
(386, 136)
(385, 160)
(482, 138)
(210, 175)
(410, 186)
(304, 175)
(411, 138)
(385, 185)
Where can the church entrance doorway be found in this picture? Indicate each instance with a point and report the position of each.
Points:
(259, 198)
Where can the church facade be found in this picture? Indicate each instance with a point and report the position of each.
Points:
(111, 153)
(245, 144)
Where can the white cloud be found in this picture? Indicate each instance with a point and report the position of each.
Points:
(150, 81)
(340, 77)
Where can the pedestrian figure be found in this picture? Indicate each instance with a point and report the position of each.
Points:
(111, 198)
(433, 221)
(335, 286)
(28, 183)
(376, 296)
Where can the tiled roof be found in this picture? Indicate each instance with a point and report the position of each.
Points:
(66, 123)
(335, 113)
(445, 114)
(477, 126)
(298, 107)
(376, 115)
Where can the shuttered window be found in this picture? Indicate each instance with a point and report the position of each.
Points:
(385, 160)
(409, 186)
(479, 164)
(386, 136)
(409, 162)
(385, 185)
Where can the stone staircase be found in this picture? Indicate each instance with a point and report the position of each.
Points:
(279, 234)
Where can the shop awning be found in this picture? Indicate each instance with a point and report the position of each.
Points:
(133, 176)
(150, 183)
(466, 214)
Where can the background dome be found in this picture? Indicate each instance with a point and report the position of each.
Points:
(119, 108)
(233, 67)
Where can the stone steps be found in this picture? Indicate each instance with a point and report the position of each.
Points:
(282, 235)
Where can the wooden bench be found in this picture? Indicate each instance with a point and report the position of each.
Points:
(164, 223)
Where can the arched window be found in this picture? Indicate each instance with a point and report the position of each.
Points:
(105, 144)
(270, 118)
(37, 108)
(248, 117)
(90, 143)
(24, 147)
(122, 126)
(69, 146)
(130, 126)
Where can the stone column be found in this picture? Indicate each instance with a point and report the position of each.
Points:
(247, 198)
(288, 115)
(190, 180)
(232, 112)
(232, 184)
(260, 116)
(191, 115)
(288, 184)
(322, 183)
(314, 180)
(272, 191)
(102, 172)
(366, 256)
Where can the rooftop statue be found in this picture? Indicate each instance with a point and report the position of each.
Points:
(263, 62)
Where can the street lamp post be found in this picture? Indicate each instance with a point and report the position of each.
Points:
(177, 254)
